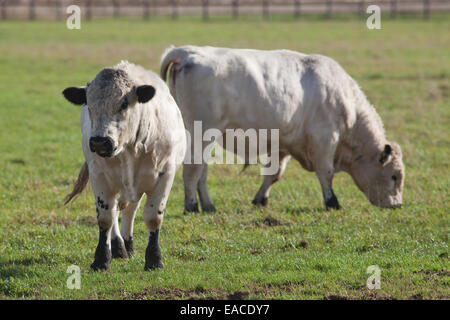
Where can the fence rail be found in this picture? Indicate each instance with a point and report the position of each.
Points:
(55, 9)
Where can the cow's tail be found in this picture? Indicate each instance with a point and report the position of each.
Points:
(171, 57)
(80, 184)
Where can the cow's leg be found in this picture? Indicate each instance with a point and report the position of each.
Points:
(194, 178)
(128, 215)
(323, 159)
(325, 177)
(191, 178)
(118, 249)
(262, 196)
(203, 193)
(106, 207)
(153, 217)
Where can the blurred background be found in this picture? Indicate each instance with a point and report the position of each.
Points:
(54, 9)
(293, 248)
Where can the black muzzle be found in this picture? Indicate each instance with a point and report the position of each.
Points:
(103, 146)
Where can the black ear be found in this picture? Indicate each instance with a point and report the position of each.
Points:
(75, 95)
(385, 154)
(145, 93)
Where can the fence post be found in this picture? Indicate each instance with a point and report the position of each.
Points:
(3, 11)
(174, 9)
(205, 5)
(393, 8)
(116, 9)
(297, 9)
(89, 10)
(329, 9)
(32, 10)
(265, 9)
(235, 5)
(362, 7)
(145, 10)
(58, 10)
(426, 9)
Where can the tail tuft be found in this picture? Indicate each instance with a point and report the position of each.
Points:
(80, 184)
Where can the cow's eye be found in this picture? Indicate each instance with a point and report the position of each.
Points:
(124, 105)
(394, 177)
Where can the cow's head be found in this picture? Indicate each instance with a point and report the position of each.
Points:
(381, 176)
(113, 101)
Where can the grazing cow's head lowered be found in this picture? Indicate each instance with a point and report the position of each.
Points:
(112, 99)
(381, 176)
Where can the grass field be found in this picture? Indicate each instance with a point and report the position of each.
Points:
(293, 249)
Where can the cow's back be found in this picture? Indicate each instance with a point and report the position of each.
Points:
(282, 89)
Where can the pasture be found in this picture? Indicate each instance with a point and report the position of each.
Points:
(292, 249)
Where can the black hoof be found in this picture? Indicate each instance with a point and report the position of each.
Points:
(118, 249)
(100, 266)
(332, 203)
(153, 265)
(153, 258)
(153, 261)
(129, 246)
(260, 201)
(209, 208)
(192, 207)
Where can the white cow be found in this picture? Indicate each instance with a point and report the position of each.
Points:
(133, 142)
(323, 117)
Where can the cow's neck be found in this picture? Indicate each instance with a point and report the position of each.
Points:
(365, 139)
(130, 158)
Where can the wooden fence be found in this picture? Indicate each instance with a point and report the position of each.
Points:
(55, 9)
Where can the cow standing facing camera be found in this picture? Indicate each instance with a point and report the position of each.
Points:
(133, 142)
(324, 119)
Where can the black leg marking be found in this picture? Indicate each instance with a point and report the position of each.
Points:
(209, 208)
(332, 203)
(153, 252)
(102, 257)
(118, 249)
(263, 202)
(191, 207)
(129, 246)
(102, 204)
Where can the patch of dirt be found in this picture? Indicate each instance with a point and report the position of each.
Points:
(255, 251)
(191, 294)
(303, 244)
(270, 222)
(238, 295)
(336, 297)
(18, 161)
(199, 293)
(365, 295)
(375, 295)
(431, 273)
(443, 255)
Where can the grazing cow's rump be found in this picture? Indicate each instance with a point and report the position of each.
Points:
(133, 142)
(325, 120)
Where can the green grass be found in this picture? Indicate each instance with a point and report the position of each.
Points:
(404, 69)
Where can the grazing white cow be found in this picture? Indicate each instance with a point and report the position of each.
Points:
(323, 117)
(133, 142)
